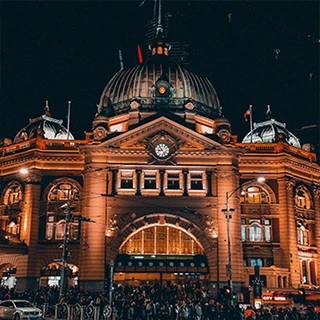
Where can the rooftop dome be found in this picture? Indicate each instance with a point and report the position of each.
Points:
(138, 84)
(268, 132)
(44, 126)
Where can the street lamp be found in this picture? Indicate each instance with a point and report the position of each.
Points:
(228, 212)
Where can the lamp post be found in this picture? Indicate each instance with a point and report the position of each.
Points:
(228, 212)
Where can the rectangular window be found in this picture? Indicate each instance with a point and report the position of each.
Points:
(243, 233)
(173, 181)
(150, 180)
(126, 180)
(196, 181)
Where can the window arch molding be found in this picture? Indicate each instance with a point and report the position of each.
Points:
(59, 181)
(303, 197)
(264, 186)
(7, 195)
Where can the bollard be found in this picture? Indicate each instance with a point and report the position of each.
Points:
(56, 311)
(82, 313)
(96, 313)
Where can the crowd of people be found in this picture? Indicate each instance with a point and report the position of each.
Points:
(173, 301)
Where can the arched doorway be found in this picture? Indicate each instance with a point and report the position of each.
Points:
(160, 252)
(8, 272)
(50, 275)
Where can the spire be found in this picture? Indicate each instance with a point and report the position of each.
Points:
(159, 46)
(159, 25)
(47, 109)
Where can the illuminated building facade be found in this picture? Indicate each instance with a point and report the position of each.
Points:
(153, 175)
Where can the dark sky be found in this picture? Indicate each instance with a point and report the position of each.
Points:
(68, 50)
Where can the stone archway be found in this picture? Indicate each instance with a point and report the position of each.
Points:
(187, 227)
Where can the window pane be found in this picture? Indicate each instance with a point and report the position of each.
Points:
(173, 181)
(196, 181)
(126, 180)
(150, 181)
(243, 233)
(267, 234)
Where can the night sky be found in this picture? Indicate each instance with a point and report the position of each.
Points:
(68, 50)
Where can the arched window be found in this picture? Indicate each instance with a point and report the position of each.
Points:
(161, 239)
(55, 222)
(254, 194)
(12, 199)
(255, 232)
(63, 192)
(13, 194)
(302, 198)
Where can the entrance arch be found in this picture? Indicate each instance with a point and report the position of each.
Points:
(162, 247)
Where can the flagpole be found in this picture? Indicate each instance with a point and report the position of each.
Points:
(250, 107)
(68, 123)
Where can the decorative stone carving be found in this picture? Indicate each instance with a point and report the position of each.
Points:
(316, 191)
(113, 226)
(210, 227)
(99, 133)
(32, 178)
(189, 106)
(224, 135)
(134, 105)
(290, 183)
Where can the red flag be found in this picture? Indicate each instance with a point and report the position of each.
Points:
(140, 54)
(247, 113)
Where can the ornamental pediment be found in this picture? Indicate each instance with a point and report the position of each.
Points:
(162, 130)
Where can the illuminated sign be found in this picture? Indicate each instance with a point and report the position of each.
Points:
(273, 298)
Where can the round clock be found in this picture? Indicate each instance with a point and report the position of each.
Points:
(162, 150)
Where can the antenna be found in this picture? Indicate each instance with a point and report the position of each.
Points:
(68, 123)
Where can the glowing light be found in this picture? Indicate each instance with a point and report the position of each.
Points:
(261, 179)
(162, 90)
(24, 170)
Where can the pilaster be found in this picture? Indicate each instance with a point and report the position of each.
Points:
(288, 229)
(27, 270)
(316, 199)
(228, 181)
(92, 255)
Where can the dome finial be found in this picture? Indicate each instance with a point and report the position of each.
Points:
(47, 109)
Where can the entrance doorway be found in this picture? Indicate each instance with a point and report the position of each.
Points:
(160, 252)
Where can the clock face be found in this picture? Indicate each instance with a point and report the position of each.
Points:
(162, 150)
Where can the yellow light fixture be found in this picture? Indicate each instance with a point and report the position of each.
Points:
(162, 90)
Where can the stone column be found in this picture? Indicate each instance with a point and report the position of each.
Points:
(138, 182)
(161, 182)
(316, 201)
(209, 183)
(114, 181)
(228, 181)
(185, 183)
(93, 235)
(27, 271)
(288, 230)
